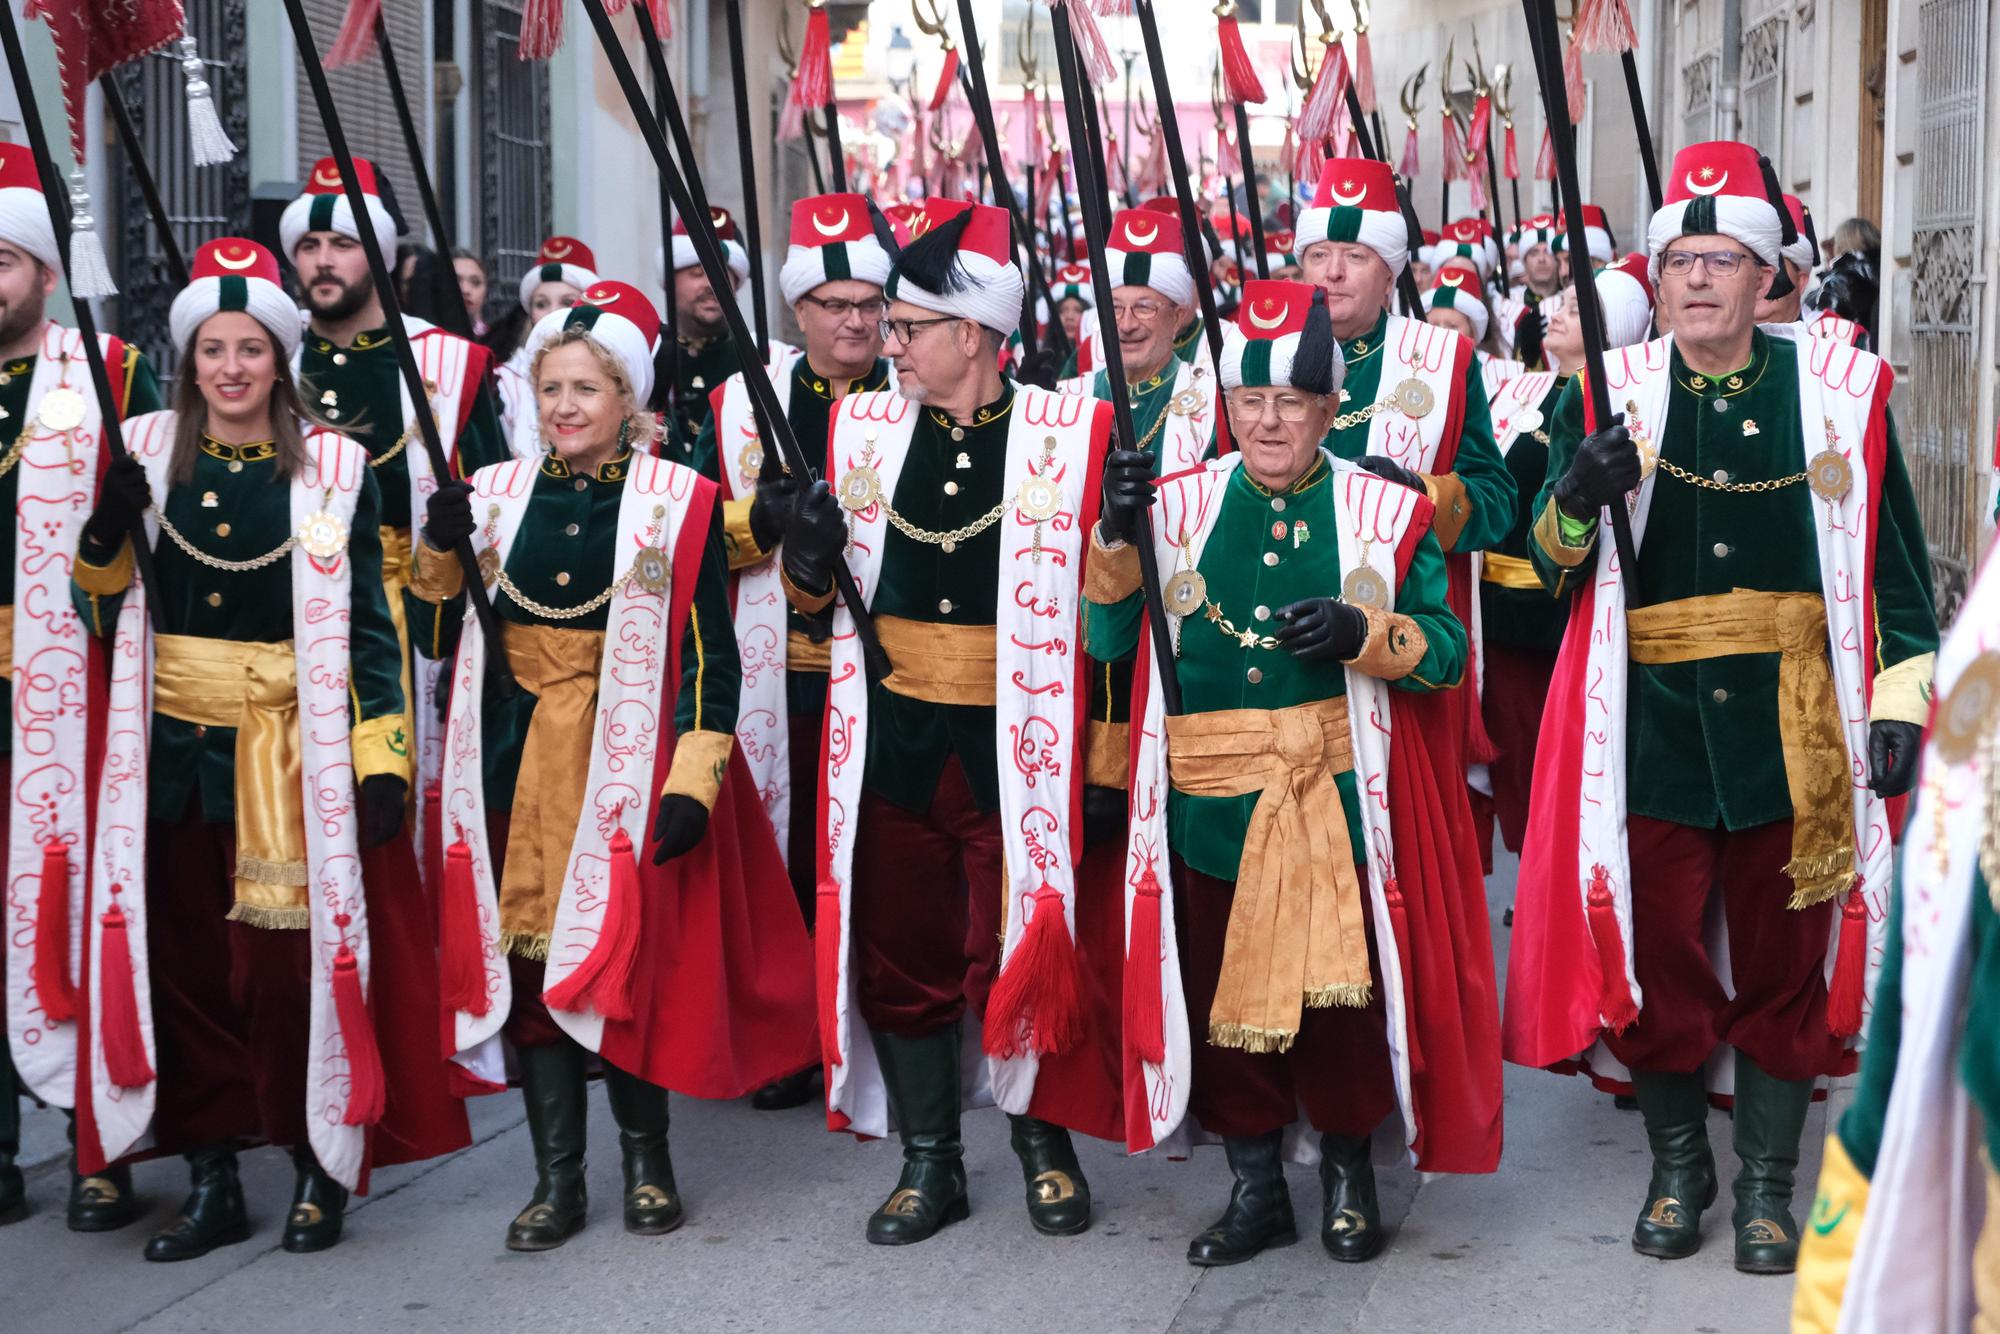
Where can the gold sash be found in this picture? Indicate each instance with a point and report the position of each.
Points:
(253, 688)
(1296, 935)
(559, 667)
(1809, 724)
(7, 642)
(398, 567)
(1507, 571)
(802, 655)
(944, 664)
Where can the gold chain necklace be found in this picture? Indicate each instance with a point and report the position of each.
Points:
(947, 540)
(522, 600)
(402, 441)
(1733, 488)
(13, 455)
(1213, 612)
(216, 562)
(1360, 415)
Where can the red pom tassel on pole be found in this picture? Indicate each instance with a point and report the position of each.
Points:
(947, 78)
(461, 950)
(1364, 72)
(1410, 164)
(1573, 82)
(356, 39)
(1545, 159)
(1145, 1010)
(1603, 27)
(827, 947)
(52, 983)
(366, 1088)
(1037, 1004)
(603, 981)
(1615, 1002)
(1328, 95)
(117, 1022)
(1511, 167)
(1239, 76)
(541, 29)
(1450, 148)
(1850, 968)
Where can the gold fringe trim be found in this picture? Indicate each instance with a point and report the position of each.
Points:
(264, 872)
(1242, 1037)
(525, 945)
(271, 919)
(1818, 879)
(1351, 994)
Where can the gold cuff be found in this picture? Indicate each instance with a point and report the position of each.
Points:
(1548, 536)
(739, 544)
(1393, 648)
(1111, 573)
(1107, 754)
(1903, 691)
(701, 759)
(438, 577)
(381, 746)
(105, 580)
(810, 603)
(1453, 505)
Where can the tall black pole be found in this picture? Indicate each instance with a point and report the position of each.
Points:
(708, 252)
(392, 314)
(142, 171)
(1637, 97)
(812, 153)
(456, 317)
(1252, 197)
(1125, 139)
(973, 70)
(667, 384)
(753, 235)
(1074, 106)
(1406, 283)
(1170, 131)
(836, 155)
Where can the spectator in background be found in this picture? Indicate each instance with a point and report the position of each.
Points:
(1856, 235)
(471, 271)
(1851, 285)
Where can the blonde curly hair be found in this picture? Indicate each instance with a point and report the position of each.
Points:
(640, 423)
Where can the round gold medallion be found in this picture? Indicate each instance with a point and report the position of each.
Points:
(1186, 403)
(322, 535)
(1040, 499)
(61, 410)
(1829, 474)
(1966, 714)
(750, 459)
(1528, 420)
(1363, 587)
(1414, 398)
(489, 564)
(651, 569)
(860, 488)
(1185, 592)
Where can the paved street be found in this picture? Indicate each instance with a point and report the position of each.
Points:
(773, 1242)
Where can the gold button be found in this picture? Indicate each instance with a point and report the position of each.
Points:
(1254, 675)
(200, 731)
(222, 530)
(215, 599)
(562, 580)
(333, 414)
(944, 605)
(1721, 404)
(1720, 696)
(1270, 558)
(581, 483)
(6, 378)
(1721, 549)
(1278, 504)
(572, 530)
(698, 382)
(958, 433)
(236, 465)
(1721, 475)
(340, 358)
(951, 488)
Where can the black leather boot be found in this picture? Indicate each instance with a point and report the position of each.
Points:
(1350, 1219)
(211, 1216)
(1770, 1116)
(101, 1203)
(318, 1205)
(922, 1079)
(652, 1205)
(13, 1186)
(1058, 1196)
(552, 1086)
(1675, 1107)
(1260, 1205)
(794, 1090)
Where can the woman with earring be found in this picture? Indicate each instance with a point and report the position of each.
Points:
(253, 893)
(612, 888)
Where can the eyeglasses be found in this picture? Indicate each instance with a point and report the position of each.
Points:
(1143, 310)
(1719, 263)
(1250, 404)
(905, 331)
(839, 308)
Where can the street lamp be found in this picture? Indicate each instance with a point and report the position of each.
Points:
(899, 62)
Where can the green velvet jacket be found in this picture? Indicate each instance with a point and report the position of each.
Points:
(139, 393)
(565, 554)
(697, 370)
(1526, 618)
(1702, 743)
(235, 508)
(1217, 671)
(359, 389)
(1489, 487)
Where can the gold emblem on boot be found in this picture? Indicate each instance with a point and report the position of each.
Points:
(905, 1203)
(1350, 1220)
(1053, 1188)
(304, 1215)
(96, 1190)
(649, 1197)
(1666, 1212)
(1762, 1232)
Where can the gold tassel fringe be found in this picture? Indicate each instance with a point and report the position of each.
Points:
(271, 919)
(1242, 1037)
(1818, 879)
(525, 945)
(1350, 994)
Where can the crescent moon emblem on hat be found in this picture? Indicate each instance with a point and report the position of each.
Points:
(603, 297)
(717, 216)
(245, 259)
(557, 249)
(1716, 188)
(1452, 278)
(1347, 197)
(1137, 237)
(1261, 320)
(839, 224)
(330, 179)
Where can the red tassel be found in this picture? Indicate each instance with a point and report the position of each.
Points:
(827, 946)
(1411, 164)
(947, 78)
(125, 1060)
(1511, 168)
(1145, 1010)
(52, 983)
(1037, 1004)
(1329, 94)
(1364, 71)
(541, 29)
(461, 951)
(1850, 968)
(1399, 918)
(1090, 43)
(1482, 121)
(366, 1087)
(813, 85)
(1615, 998)
(1239, 76)
(356, 39)
(1545, 159)
(1452, 150)
(1603, 27)
(603, 981)
(1573, 82)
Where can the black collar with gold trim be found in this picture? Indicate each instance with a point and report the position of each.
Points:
(1726, 386)
(1310, 478)
(985, 416)
(256, 451)
(368, 340)
(821, 386)
(612, 469)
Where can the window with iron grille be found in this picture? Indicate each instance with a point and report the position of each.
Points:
(512, 113)
(366, 112)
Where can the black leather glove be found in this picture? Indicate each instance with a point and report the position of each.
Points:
(448, 515)
(813, 539)
(1128, 491)
(122, 498)
(1606, 466)
(678, 827)
(1528, 333)
(1103, 815)
(1893, 748)
(1321, 630)
(382, 797)
(1043, 370)
(771, 509)
(1391, 471)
